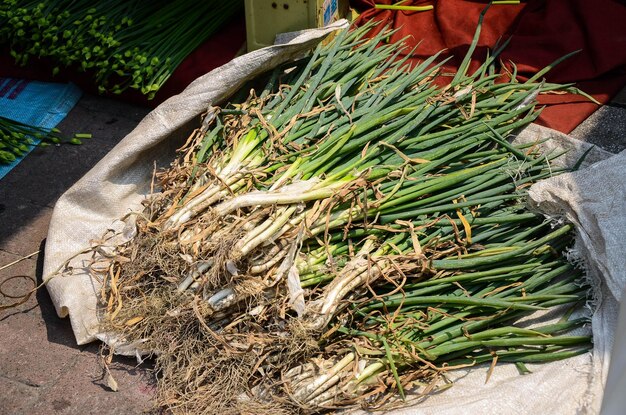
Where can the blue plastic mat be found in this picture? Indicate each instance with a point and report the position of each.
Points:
(41, 104)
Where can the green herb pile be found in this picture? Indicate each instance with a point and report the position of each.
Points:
(345, 235)
(16, 139)
(126, 44)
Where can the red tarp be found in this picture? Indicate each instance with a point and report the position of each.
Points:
(540, 30)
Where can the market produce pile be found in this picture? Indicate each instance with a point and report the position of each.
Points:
(125, 44)
(345, 235)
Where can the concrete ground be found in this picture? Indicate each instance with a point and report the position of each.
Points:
(42, 371)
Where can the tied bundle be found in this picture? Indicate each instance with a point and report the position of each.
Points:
(345, 233)
(17, 139)
(125, 44)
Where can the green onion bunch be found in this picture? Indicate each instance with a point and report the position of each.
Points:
(125, 44)
(16, 139)
(347, 232)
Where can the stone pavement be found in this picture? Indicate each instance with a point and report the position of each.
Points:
(42, 371)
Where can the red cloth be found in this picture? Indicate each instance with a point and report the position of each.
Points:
(540, 30)
(219, 49)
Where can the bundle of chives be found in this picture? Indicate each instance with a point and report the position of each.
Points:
(17, 138)
(130, 44)
(325, 217)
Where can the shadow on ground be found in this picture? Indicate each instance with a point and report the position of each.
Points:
(28, 193)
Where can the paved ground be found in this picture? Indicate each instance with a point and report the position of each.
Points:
(42, 371)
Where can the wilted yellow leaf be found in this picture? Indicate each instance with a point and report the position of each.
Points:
(134, 321)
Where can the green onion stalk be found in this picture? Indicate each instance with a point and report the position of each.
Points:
(125, 44)
(352, 213)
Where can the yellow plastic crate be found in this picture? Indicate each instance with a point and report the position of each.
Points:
(267, 18)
